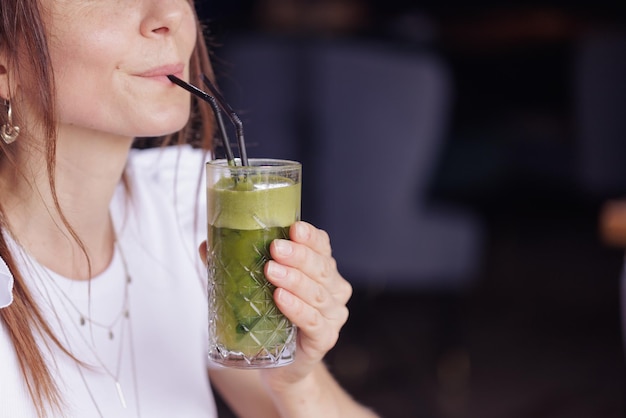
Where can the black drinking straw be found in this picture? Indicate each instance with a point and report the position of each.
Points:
(234, 118)
(216, 110)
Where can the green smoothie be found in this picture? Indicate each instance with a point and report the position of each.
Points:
(245, 214)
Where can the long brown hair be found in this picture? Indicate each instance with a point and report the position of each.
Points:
(24, 44)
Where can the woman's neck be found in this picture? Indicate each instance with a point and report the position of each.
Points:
(87, 171)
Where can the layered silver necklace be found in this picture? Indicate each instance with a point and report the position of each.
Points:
(118, 329)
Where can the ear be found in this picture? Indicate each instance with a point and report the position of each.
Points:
(5, 88)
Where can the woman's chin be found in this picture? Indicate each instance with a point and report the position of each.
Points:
(162, 127)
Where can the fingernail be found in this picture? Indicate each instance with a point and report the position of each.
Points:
(285, 297)
(302, 231)
(283, 247)
(276, 270)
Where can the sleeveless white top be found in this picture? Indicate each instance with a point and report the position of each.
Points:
(154, 361)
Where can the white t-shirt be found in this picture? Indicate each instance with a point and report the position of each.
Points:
(156, 359)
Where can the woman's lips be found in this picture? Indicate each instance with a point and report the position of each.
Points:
(161, 73)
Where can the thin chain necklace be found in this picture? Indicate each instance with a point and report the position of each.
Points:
(122, 319)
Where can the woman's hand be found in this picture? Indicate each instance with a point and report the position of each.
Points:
(311, 293)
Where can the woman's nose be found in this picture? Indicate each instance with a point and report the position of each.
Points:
(163, 17)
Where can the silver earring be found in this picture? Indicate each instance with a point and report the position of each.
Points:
(8, 131)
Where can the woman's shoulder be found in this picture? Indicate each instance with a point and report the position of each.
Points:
(169, 177)
(168, 167)
(165, 198)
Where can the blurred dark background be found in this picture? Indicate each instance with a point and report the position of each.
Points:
(469, 161)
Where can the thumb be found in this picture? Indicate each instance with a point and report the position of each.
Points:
(202, 250)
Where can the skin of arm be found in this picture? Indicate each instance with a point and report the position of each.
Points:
(318, 395)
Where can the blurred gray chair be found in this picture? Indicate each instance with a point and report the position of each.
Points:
(380, 119)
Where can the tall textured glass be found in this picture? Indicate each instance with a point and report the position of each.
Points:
(248, 207)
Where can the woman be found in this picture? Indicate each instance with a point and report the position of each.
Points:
(103, 307)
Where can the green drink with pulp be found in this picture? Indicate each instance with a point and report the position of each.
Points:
(248, 207)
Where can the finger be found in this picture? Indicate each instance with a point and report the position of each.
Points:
(320, 333)
(202, 249)
(317, 239)
(309, 291)
(322, 269)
